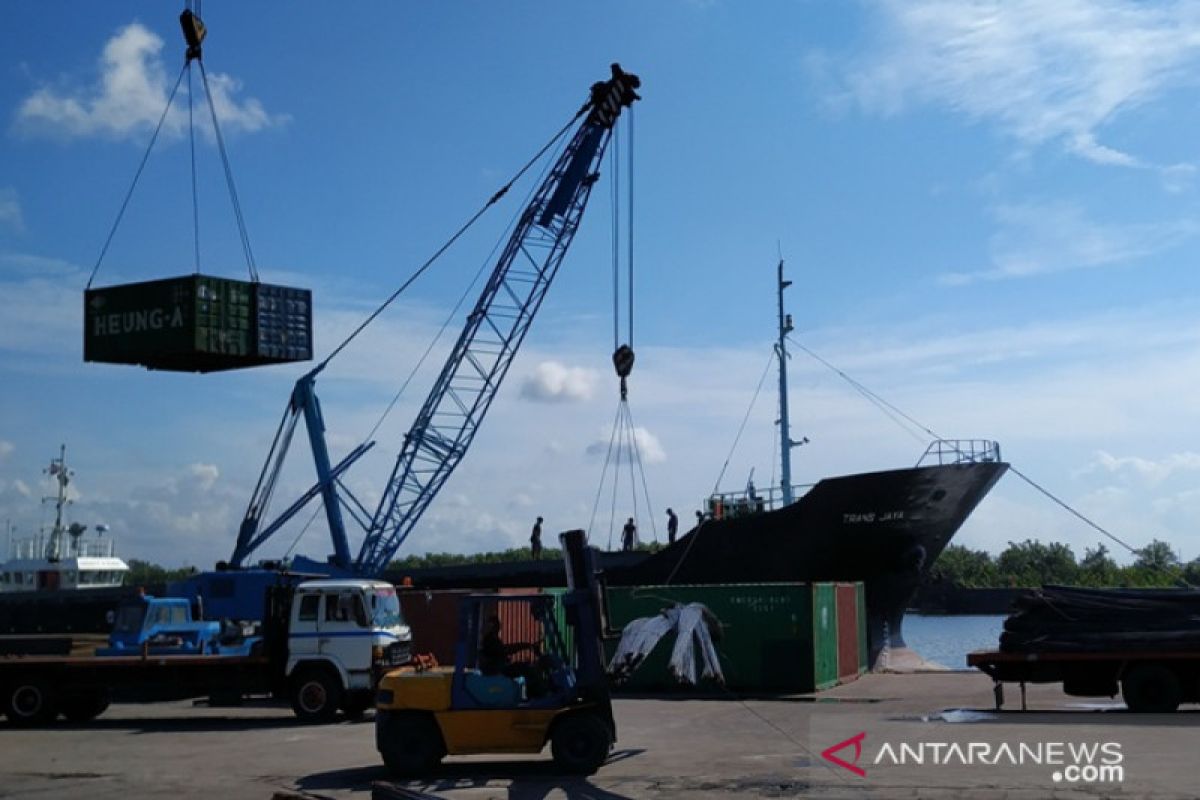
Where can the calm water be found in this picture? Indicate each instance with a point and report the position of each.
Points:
(947, 640)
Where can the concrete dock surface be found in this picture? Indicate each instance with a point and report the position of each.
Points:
(931, 735)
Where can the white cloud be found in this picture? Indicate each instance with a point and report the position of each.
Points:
(6, 449)
(10, 210)
(22, 488)
(645, 443)
(131, 94)
(1044, 72)
(1150, 470)
(204, 475)
(554, 382)
(1035, 239)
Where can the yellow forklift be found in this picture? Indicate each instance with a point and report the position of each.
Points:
(560, 696)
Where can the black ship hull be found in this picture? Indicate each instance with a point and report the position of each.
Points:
(883, 528)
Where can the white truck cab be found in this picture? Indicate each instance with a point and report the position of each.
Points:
(342, 635)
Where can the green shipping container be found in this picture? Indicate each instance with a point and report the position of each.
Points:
(766, 642)
(197, 323)
(824, 627)
(560, 617)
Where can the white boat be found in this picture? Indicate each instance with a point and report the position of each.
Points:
(66, 558)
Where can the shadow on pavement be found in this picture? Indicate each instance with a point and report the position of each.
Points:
(527, 780)
(1115, 716)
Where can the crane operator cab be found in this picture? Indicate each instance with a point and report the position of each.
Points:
(519, 681)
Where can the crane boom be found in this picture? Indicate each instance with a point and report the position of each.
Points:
(469, 380)
(475, 368)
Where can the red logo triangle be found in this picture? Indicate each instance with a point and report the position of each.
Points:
(856, 743)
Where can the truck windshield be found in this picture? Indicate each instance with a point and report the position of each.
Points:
(385, 608)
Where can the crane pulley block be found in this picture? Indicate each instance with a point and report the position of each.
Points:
(193, 33)
(623, 360)
(609, 97)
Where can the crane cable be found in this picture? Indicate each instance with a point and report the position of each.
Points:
(449, 242)
(194, 33)
(623, 442)
(894, 412)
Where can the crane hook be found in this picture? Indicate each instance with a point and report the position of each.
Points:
(623, 362)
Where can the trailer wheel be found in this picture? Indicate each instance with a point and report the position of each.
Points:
(316, 694)
(410, 742)
(580, 743)
(84, 706)
(29, 702)
(1151, 688)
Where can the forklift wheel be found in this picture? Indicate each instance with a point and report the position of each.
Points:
(580, 743)
(410, 743)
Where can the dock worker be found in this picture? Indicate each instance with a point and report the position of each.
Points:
(535, 540)
(672, 526)
(628, 536)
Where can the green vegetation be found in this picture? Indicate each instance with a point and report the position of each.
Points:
(1031, 564)
(513, 554)
(143, 573)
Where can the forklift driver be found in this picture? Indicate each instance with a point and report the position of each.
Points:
(494, 653)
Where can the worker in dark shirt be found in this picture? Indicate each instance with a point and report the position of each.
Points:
(535, 539)
(494, 653)
(672, 526)
(629, 536)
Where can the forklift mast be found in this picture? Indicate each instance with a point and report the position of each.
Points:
(585, 612)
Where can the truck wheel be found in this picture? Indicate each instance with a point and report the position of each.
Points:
(580, 743)
(29, 702)
(410, 743)
(1151, 688)
(84, 706)
(316, 695)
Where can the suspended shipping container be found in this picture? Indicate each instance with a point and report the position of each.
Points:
(775, 637)
(197, 323)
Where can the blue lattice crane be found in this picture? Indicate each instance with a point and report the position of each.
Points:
(462, 394)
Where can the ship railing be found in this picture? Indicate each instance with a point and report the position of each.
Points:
(727, 505)
(960, 451)
(34, 547)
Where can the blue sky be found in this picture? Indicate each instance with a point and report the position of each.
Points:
(989, 210)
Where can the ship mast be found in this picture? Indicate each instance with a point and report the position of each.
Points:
(785, 436)
(58, 471)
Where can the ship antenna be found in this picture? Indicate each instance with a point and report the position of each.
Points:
(58, 471)
(785, 435)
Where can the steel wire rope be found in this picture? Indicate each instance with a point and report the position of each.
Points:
(237, 205)
(632, 476)
(615, 190)
(412, 278)
(192, 148)
(445, 324)
(889, 409)
(745, 419)
(449, 242)
(136, 176)
(437, 337)
(642, 471)
(603, 473)
(504, 234)
(629, 225)
(1046, 492)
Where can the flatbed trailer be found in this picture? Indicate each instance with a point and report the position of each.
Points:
(36, 688)
(1147, 680)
